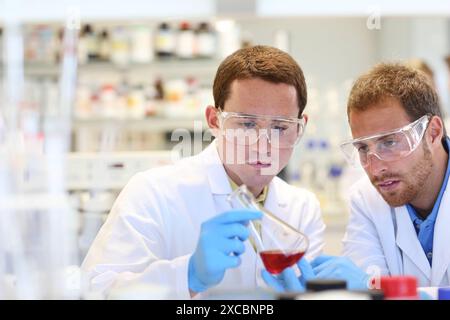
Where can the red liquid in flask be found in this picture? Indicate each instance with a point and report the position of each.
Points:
(276, 261)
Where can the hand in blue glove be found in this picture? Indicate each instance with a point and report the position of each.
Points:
(219, 246)
(287, 280)
(331, 267)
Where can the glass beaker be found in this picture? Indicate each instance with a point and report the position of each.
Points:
(278, 244)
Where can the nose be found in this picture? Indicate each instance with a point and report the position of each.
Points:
(374, 164)
(263, 142)
(264, 133)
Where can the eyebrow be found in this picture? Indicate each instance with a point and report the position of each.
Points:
(359, 143)
(387, 135)
(274, 118)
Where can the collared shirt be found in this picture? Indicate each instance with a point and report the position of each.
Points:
(260, 199)
(425, 227)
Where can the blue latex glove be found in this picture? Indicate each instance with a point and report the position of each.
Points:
(220, 244)
(287, 280)
(332, 267)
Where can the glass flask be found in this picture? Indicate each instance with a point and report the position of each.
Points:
(278, 244)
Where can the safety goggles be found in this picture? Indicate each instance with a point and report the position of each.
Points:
(247, 129)
(387, 146)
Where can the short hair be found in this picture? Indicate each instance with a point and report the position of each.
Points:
(421, 66)
(412, 88)
(263, 62)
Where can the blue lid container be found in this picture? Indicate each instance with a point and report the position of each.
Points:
(444, 293)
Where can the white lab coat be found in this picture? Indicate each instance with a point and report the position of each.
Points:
(153, 227)
(383, 236)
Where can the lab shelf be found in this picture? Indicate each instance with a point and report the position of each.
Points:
(169, 67)
(153, 124)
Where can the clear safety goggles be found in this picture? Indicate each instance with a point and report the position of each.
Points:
(247, 129)
(387, 146)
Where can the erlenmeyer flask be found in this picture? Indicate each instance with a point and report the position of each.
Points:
(278, 244)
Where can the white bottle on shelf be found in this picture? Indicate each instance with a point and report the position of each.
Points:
(104, 46)
(93, 47)
(205, 41)
(228, 37)
(136, 102)
(109, 107)
(120, 53)
(185, 41)
(165, 41)
(82, 47)
(88, 50)
(141, 44)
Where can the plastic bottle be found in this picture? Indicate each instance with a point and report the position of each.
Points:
(141, 44)
(108, 100)
(307, 169)
(59, 46)
(120, 47)
(205, 41)
(104, 46)
(29, 43)
(228, 37)
(136, 103)
(165, 41)
(332, 186)
(399, 287)
(444, 293)
(185, 41)
(159, 88)
(91, 43)
(82, 47)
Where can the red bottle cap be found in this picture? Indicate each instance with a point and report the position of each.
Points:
(399, 287)
(184, 25)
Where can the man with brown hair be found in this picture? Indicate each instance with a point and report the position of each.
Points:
(400, 213)
(174, 227)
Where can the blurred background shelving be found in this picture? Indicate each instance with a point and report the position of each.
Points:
(146, 69)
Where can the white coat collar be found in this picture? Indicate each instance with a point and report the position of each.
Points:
(408, 243)
(441, 240)
(217, 176)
